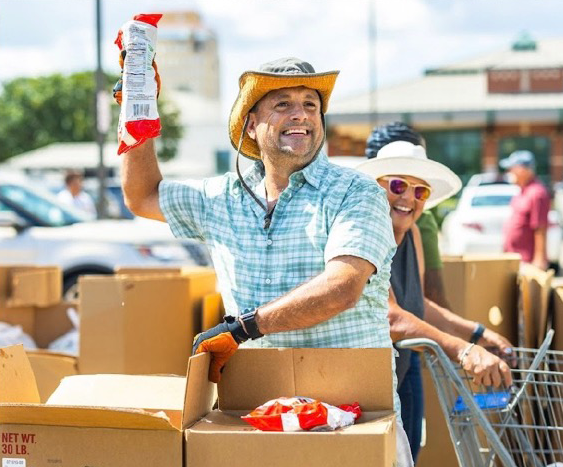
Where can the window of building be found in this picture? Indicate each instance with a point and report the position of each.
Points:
(460, 150)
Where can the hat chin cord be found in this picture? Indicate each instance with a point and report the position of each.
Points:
(268, 216)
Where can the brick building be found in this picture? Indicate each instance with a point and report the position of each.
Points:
(472, 113)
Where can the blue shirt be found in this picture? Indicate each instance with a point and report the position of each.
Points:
(326, 211)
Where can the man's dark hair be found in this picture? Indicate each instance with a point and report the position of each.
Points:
(385, 134)
(71, 175)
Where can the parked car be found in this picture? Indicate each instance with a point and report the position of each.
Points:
(475, 226)
(488, 178)
(35, 228)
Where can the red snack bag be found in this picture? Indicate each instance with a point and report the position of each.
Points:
(139, 119)
(299, 414)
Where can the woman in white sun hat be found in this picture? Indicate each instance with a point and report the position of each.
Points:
(398, 161)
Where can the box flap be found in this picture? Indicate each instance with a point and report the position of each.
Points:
(254, 376)
(200, 392)
(149, 393)
(18, 383)
(28, 414)
(49, 369)
(345, 376)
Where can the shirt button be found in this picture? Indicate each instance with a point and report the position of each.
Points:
(269, 241)
(268, 281)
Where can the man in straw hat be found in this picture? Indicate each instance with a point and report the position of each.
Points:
(302, 248)
(414, 183)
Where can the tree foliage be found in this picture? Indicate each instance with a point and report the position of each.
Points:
(35, 112)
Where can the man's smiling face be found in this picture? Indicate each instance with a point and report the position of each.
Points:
(286, 123)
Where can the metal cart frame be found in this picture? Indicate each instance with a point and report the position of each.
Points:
(513, 427)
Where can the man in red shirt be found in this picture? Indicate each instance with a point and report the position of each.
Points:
(525, 231)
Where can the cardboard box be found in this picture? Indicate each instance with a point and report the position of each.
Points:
(253, 376)
(44, 325)
(49, 369)
(484, 289)
(93, 420)
(212, 311)
(535, 290)
(202, 282)
(137, 324)
(22, 286)
(557, 322)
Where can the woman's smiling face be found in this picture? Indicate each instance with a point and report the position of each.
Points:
(405, 207)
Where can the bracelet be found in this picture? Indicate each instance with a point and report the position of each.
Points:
(465, 353)
(478, 333)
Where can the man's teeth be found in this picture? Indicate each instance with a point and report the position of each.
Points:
(295, 132)
(403, 208)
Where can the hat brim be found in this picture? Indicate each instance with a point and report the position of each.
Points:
(254, 85)
(443, 181)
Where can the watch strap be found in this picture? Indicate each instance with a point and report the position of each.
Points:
(477, 334)
(248, 318)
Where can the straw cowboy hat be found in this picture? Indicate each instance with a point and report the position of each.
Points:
(253, 85)
(408, 159)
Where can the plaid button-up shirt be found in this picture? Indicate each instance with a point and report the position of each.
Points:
(326, 211)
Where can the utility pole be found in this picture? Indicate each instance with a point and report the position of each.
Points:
(372, 63)
(102, 114)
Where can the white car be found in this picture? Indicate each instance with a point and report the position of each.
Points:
(35, 228)
(475, 225)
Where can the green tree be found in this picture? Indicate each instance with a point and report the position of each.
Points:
(35, 112)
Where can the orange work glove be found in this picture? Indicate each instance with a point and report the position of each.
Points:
(223, 340)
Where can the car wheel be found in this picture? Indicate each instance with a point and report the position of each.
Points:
(70, 283)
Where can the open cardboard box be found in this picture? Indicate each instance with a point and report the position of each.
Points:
(253, 376)
(94, 420)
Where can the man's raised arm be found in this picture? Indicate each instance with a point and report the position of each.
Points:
(140, 177)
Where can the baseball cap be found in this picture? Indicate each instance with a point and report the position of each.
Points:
(521, 157)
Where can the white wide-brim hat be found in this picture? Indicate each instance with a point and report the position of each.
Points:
(407, 159)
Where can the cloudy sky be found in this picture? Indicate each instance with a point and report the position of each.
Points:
(45, 36)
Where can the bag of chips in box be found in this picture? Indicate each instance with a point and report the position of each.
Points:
(301, 414)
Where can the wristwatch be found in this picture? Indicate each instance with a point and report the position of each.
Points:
(248, 319)
(478, 333)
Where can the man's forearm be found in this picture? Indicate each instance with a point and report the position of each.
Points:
(140, 177)
(328, 294)
(540, 248)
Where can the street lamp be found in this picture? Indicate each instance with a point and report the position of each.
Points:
(102, 114)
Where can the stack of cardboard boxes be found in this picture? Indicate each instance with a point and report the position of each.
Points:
(30, 297)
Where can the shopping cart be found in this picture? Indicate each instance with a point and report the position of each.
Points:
(510, 427)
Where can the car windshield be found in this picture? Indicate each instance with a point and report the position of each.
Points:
(491, 200)
(38, 207)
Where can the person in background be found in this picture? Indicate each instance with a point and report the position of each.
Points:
(398, 161)
(525, 232)
(74, 195)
